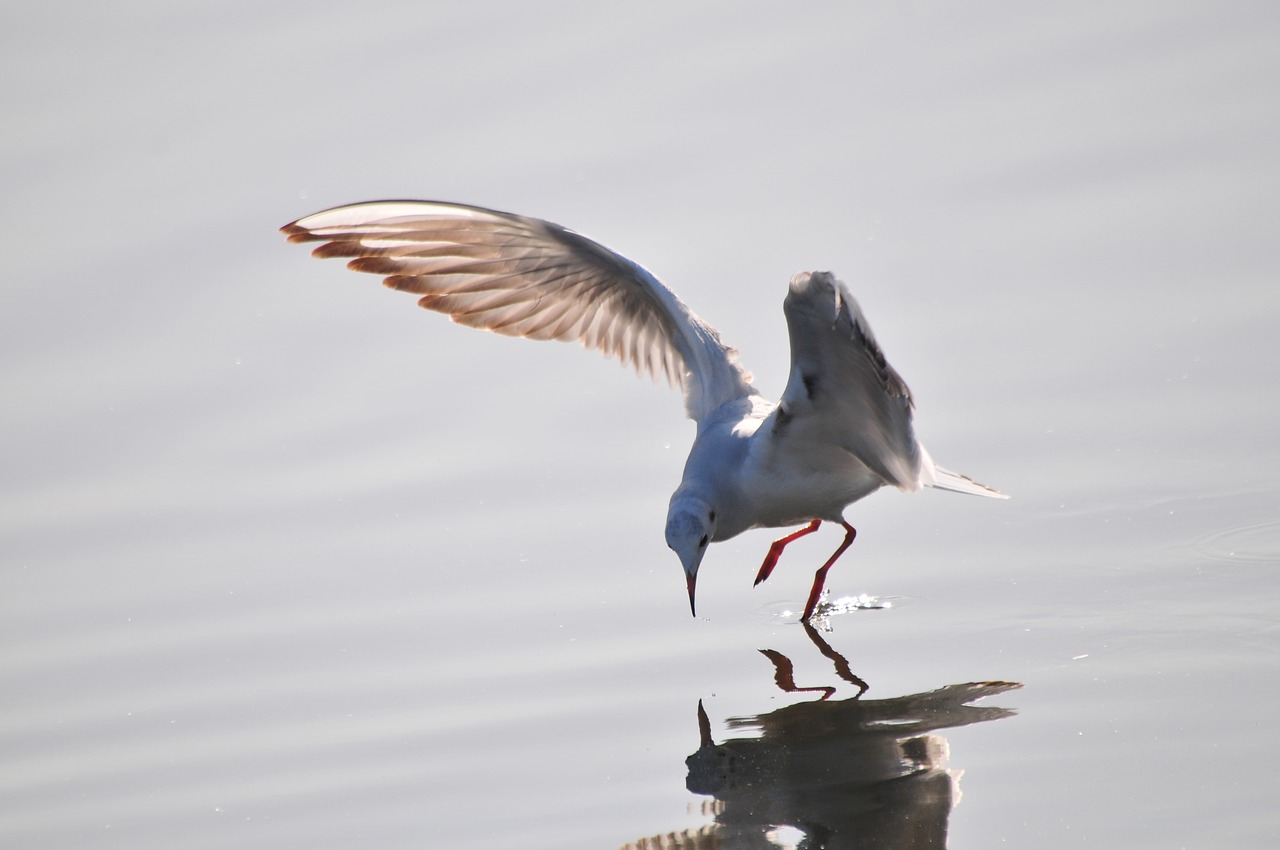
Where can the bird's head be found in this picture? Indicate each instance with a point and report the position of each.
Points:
(690, 527)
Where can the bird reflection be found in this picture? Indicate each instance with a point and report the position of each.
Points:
(829, 773)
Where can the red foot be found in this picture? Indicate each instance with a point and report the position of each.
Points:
(775, 551)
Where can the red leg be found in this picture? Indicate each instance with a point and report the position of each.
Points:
(775, 551)
(820, 577)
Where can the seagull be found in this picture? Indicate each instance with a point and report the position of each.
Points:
(842, 429)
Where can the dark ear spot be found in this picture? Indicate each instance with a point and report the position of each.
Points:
(712, 517)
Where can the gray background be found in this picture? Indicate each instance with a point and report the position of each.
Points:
(288, 562)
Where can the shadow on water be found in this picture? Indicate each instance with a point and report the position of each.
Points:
(849, 773)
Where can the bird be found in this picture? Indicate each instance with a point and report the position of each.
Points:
(842, 429)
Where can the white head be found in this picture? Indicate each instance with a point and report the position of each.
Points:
(691, 523)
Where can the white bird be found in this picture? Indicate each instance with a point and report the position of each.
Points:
(841, 431)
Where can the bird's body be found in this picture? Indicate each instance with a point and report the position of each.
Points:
(736, 464)
(842, 429)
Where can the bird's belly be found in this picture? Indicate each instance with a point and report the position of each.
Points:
(782, 500)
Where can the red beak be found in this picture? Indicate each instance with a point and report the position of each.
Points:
(692, 581)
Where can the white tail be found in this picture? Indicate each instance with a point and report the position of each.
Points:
(945, 479)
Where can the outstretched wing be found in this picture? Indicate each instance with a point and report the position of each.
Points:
(841, 391)
(530, 278)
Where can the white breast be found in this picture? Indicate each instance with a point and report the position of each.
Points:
(795, 492)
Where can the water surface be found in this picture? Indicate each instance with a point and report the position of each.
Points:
(289, 562)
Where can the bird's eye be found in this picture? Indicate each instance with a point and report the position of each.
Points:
(703, 541)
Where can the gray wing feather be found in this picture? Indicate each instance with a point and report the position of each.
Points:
(841, 391)
(530, 278)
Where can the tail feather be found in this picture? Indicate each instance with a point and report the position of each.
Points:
(945, 479)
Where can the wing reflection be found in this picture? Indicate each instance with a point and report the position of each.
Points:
(826, 773)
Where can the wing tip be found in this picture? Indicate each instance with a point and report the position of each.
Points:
(371, 265)
(335, 249)
(297, 233)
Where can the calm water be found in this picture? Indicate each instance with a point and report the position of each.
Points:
(290, 563)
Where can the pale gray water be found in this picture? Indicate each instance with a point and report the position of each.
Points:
(290, 563)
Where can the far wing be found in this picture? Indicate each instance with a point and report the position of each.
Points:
(530, 278)
(841, 391)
